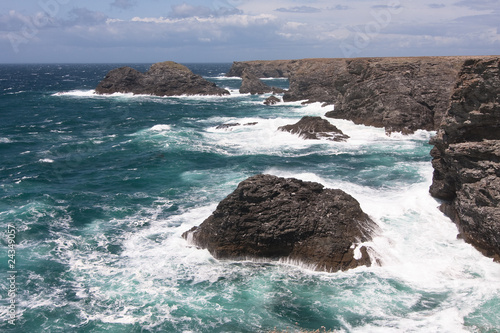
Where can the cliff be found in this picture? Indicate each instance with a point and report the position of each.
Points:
(399, 94)
(286, 218)
(466, 156)
(264, 68)
(162, 79)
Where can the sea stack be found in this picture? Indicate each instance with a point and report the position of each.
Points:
(269, 217)
(162, 79)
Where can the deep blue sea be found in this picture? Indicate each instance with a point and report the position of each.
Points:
(97, 190)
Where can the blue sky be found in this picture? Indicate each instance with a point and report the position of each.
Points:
(110, 31)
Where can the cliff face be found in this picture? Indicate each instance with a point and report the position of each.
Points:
(162, 79)
(264, 68)
(399, 94)
(458, 96)
(466, 156)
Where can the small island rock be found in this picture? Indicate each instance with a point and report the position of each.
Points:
(289, 219)
(272, 100)
(162, 79)
(315, 128)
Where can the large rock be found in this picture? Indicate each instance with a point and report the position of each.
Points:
(272, 100)
(315, 128)
(466, 156)
(399, 94)
(162, 79)
(251, 84)
(277, 218)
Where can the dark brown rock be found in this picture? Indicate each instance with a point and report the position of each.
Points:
(162, 79)
(315, 128)
(227, 126)
(263, 68)
(272, 100)
(251, 84)
(466, 155)
(277, 218)
(399, 94)
(230, 126)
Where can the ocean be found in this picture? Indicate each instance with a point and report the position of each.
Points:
(96, 192)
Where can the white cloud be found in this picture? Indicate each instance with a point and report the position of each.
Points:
(266, 28)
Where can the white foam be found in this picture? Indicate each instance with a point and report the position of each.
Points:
(46, 160)
(5, 140)
(160, 128)
(77, 93)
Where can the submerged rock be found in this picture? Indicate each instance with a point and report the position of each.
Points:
(230, 126)
(162, 79)
(289, 219)
(466, 156)
(315, 128)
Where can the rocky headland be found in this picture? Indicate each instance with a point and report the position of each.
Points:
(399, 94)
(269, 217)
(162, 79)
(457, 96)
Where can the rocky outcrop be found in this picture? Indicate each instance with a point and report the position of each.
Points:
(466, 155)
(162, 79)
(315, 128)
(263, 68)
(272, 100)
(399, 94)
(251, 84)
(277, 218)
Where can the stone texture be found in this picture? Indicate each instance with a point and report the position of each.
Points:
(315, 128)
(251, 84)
(162, 79)
(272, 100)
(466, 155)
(263, 68)
(399, 94)
(277, 218)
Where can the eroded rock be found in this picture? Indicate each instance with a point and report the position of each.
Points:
(289, 219)
(315, 128)
(162, 79)
(466, 156)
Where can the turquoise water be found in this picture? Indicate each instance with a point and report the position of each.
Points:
(97, 191)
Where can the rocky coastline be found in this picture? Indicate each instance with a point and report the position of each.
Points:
(456, 96)
(459, 97)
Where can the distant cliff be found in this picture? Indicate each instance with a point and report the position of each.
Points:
(162, 79)
(264, 68)
(467, 155)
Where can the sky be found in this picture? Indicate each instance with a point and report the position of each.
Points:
(148, 31)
